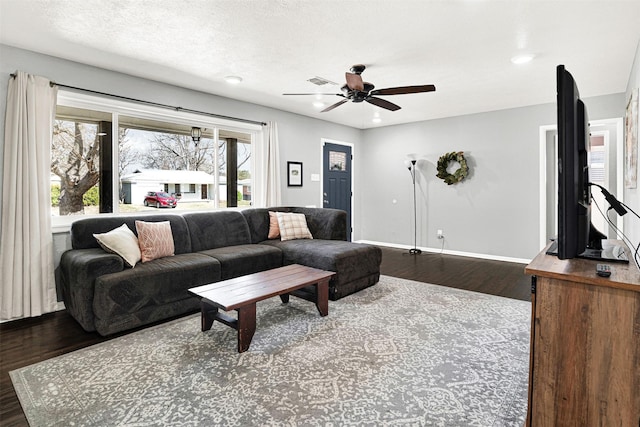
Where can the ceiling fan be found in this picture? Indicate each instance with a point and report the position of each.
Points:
(356, 90)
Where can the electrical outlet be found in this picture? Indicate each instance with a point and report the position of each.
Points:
(440, 235)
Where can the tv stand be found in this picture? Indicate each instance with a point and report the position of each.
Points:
(585, 343)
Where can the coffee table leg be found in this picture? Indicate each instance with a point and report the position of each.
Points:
(322, 297)
(246, 326)
(284, 298)
(208, 315)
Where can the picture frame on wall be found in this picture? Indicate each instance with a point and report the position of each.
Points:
(632, 119)
(294, 174)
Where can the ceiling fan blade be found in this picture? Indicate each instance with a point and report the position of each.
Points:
(354, 81)
(331, 107)
(383, 103)
(314, 93)
(404, 90)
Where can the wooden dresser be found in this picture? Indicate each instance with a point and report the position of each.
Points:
(585, 344)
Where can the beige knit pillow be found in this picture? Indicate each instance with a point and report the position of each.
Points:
(293, 226)
(155, 239)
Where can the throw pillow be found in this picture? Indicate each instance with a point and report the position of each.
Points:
(121, 241)
(155, 239)
(274, 228)
(293, 226)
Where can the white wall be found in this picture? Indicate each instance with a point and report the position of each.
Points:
(632, 195)
(494, 211)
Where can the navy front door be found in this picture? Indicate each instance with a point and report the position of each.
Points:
(337, 179)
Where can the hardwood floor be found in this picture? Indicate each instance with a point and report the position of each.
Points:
(28, 341)
(500, 278)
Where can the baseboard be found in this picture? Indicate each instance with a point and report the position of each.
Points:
(449, 252)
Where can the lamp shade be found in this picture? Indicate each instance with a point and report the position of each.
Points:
(196, 133)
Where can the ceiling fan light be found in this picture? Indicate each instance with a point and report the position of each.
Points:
(356, 90)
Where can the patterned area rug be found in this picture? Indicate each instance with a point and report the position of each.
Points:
(400, 352)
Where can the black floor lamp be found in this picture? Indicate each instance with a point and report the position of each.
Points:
(411, 165)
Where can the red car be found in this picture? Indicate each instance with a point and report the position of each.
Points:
(160, 199)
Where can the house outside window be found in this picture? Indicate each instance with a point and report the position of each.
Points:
(106, 157)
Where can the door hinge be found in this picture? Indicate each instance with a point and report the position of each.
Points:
(534, 282)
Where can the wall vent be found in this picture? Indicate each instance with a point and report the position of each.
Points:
(320, 81)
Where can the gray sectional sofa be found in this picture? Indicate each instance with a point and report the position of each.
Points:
(105, 295)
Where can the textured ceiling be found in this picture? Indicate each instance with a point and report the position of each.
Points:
(463, 47)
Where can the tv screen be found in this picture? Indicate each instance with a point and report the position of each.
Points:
(574, 197)
(576, 235)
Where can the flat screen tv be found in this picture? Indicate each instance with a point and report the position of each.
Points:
(576, 235)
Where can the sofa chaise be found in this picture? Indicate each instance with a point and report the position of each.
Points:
(105, 295)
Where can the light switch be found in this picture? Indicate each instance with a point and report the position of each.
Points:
(315, 177)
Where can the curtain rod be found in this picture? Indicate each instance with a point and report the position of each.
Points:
(155, 104)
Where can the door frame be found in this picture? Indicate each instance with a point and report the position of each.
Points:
(542, 159)
(324, 141)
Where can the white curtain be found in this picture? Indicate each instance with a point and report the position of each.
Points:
(272, 169)
(27, 286)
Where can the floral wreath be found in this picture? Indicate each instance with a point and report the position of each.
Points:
(458, 175)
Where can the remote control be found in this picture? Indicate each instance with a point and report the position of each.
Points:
(603, 270)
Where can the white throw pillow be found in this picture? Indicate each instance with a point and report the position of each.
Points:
(121, 241)
(293, 226)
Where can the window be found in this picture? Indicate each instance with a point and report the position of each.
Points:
(234, 166)
(337, 161)
(80, 158)
(152, 151)
(597, 159)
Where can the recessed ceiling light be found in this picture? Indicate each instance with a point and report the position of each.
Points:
(318, 104)
(376, 120)
(523, 59)
(234, 80)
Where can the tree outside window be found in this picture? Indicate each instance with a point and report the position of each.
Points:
(83, 153)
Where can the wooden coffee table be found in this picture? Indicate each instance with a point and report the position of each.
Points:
(242, 294)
